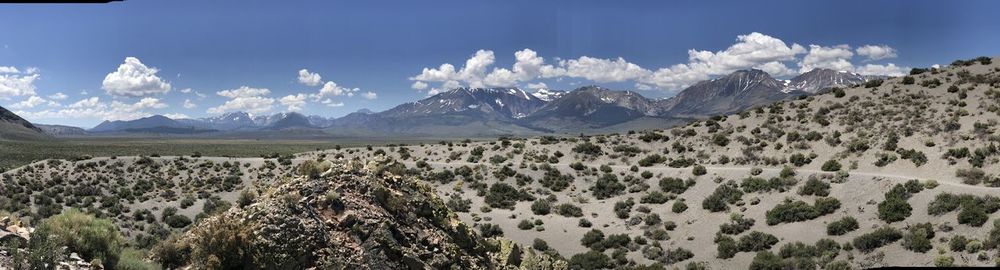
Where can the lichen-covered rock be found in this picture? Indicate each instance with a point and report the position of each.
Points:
(355, 215)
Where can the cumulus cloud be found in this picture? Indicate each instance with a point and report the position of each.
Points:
(17, 85)
(31, 102)
(418, 85)
(331, 103)
(473, 73)
(876, 52)
(528, 66)
(247, 99)
(294, 102)
(185, 90)
(835, 57)
(134, 79)
(189, 105)
(177, 116)
(58, 96)
(4, 69)
(887, 70)
(754, 50)
(331, 89)
(244, 91)
(603, 70)
(309, 78)
(93, 107)
(369, 95)
(539, 85)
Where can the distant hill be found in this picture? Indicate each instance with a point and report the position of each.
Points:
(512, 111)
(60, 130)
(13, 127)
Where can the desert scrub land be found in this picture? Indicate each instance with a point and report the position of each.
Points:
(855, 175)
(895, 172)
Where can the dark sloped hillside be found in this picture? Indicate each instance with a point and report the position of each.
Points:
(348, 215)
(13, 127)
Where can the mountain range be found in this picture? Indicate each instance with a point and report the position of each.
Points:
(499, 111)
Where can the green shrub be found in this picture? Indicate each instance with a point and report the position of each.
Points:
(607, 186)
(842, 226)
(831, 166)
(957, 243)
(225, 244)
(177, 221)
(540, 245)
(875, 239)
(918, 238)
(908, 80)
(795, 211)
(720, 199)
(92, 238)
(502, 195)
(893, 210)
(588, 148)
(815, 187)
(569, 210)
(765, 260)
(678, 207)
(541, 207)
(655, 197)
(132, 259)
(756, 241)
(699, 170)
(590, 260)
(673, 185)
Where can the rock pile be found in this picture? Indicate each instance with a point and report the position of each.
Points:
(353, 215)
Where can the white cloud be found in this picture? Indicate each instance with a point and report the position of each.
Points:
(752, 50)
(185, 90)
(31, 70)
(603, 70)
(777, 69)
(331, 103)
(91, 102)
(418, 85)
(472, 73)
(369, 95)
(331, 89)
(887, 70)
(244, 91)
(189, 105)
(4, 69)
(254, 105)
(31, 102)
(247, 99)
(294, 102)
(309, 78)
(835, 58)
(134, 79)
(540, 85)
(17, 85)
(58, 96)
(177, 116)
(528, 66)
(876, 52)
(433, 91)
(93, 108)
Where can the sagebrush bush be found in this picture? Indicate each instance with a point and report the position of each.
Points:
(92, 238)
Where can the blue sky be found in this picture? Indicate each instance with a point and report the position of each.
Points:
(81, 64)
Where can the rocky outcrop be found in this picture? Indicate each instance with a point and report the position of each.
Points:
(354, 215)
